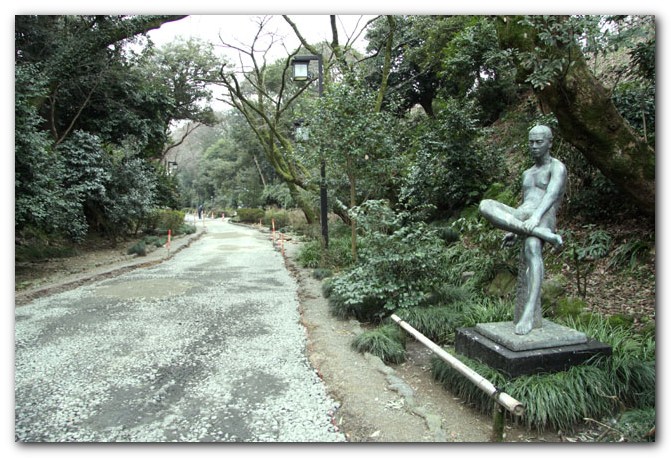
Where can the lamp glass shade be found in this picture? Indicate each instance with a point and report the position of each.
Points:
(301, 70)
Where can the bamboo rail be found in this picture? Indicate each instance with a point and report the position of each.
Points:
(508, 402)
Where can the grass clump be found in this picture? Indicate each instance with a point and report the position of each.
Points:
(386, 342)
(436, 323)
(139, 248)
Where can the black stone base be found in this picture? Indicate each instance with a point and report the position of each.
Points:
(474, 345)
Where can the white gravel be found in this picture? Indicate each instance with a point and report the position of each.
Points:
(207, 346)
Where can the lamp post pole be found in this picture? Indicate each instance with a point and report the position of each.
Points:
(300, 66)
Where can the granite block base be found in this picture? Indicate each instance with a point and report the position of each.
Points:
(551, 350)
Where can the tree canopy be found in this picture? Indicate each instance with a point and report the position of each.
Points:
(416, 119)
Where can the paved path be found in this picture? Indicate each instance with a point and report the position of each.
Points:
(206, 346)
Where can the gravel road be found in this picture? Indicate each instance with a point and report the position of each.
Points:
(206, 346)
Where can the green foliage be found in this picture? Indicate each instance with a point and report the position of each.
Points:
(596, 245)
(138, 248)
(310, 254)
(163, 219)
(452, 168)
(487, 310)
(628, 254)
(569, 307)
(436, 323)
(280, 216)
(475, 68)
(548, 61)
(338, 256)
(636, 425)
(386, 342)
(186, 229)
(89, 112)
(39, 252)
(321, 274)
(399, 264)
(250, 215)
(155, 240)
(636, 102)
(358, 143)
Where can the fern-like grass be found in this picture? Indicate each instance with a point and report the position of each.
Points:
(386, 341)
(601, 388)
(436, 323)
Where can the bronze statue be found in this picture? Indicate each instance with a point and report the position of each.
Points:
(543, 187)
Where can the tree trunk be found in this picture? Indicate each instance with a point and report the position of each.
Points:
(306, 208)
(589, 120)
(352, 204)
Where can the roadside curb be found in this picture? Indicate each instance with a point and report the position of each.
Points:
(24, 297)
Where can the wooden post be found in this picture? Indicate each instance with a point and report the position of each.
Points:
(499, 423)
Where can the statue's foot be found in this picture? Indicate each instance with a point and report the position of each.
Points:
(524, 325)
(522, 328)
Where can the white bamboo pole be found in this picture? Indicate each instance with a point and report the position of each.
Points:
(511, 404)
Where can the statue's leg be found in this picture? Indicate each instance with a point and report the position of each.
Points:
(530, 315)
(511, 219)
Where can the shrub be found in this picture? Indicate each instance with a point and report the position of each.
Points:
(139, 248)
(336, 257)
(320, 274)
(163, 219)
(399, 265)
(187, 229)
(629, 254)
(38, 252)
(310, 254)
(250, 215)
(280, 216)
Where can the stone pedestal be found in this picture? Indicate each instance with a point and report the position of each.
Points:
(550, 348)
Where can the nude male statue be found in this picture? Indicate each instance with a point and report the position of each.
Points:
(543, 187)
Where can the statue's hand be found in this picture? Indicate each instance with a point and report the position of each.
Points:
(509, 239)
(531, 223)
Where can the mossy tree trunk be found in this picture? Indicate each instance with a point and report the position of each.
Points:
(589, 120)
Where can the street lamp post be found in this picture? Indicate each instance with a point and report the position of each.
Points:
(301, 66)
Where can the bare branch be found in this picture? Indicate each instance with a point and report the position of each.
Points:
(189, 130)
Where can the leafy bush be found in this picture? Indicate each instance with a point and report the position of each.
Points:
(310, 254)
(336, 257)
(161, 220)
(398, 265)
(636, 425)
(38, 252)
(487, 310)
(187, 229)
(139, 248)
(281, 218)
(452, 168)
(250, 215)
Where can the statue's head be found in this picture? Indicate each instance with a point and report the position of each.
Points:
(543, 130)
